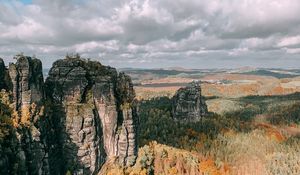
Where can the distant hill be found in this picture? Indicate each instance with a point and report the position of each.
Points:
(273, 73)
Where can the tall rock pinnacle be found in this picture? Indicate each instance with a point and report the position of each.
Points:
(28, 95)
(27, 80)
(94, 118)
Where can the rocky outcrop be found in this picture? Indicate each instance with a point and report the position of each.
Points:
(26, 87)
(82, 116)
(93, 117)
(28, 94)
(188, 103)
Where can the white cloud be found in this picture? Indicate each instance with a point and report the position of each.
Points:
(154, 32)
(289, 41)
(292, 50)
(108, 46)
(28, 31)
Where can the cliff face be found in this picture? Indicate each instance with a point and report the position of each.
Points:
(94, 118)
(189, 104)
(83, 116)
(26, 151)
(27, 89)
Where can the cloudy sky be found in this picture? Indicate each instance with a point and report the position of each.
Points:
(155, 33)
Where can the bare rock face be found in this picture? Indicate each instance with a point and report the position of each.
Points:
(188, 103)
(27, 91)
(92, 117)
(83, 116)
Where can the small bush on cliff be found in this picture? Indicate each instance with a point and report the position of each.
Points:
(6, 125)
(73, 56)
(8, 140)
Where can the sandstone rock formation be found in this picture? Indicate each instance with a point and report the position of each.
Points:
(81, 117)
(28, 94)
(94, 117)
(188, 103)
(26, 145)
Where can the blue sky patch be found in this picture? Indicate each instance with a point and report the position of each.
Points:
(26, 1)
(23, 1)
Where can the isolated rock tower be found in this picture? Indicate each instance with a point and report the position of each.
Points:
(94, 118)
(189, 104)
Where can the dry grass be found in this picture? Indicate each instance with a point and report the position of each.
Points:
(257, 153)
(145, 93)
(221, 106)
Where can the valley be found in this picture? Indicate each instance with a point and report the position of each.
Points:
(252, 126)
(87, 118)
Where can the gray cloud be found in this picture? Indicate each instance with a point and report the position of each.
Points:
(155, 33)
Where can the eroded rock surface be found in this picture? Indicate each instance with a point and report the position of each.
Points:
(93, 116)
(82, 116)
(188, 103)
(29, 149)
(28, 94)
